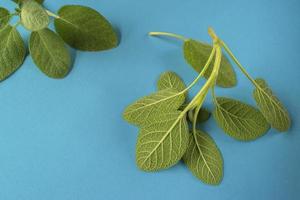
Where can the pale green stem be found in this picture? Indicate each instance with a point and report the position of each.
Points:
(17, 24)
(196, 113)
(237, 62)
(200, 97)
(180, 37)
(51, 14)
(212, 54)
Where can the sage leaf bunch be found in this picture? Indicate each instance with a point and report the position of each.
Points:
(171, 125)
(80, 27)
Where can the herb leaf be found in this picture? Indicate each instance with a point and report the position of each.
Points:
(239, 120)
(271, 107)
(203, 115)
(20, 1)
(162, 101)
(204, 158)
(197, 53)
(170, 80)
(12, 51)
(50, 53)
(162, 143)
(4, 17)
(33, 16)
(85, 29)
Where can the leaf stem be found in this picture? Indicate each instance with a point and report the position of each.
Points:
(196, 113)
(179, 37)
(200, 97)
(51, 14)
(212, 54)
(227, 49)
(17, 24)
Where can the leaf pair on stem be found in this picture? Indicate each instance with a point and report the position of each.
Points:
(81, 27)
(163, 117)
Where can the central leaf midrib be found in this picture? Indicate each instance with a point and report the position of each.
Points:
(164, 137)
(201, 153)
(48, 50)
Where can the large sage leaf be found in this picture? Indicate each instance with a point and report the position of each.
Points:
(145, 108)
(162, 143)
(33, 16)
(170, 80)
(197, 53)
(85, 29)
(12, 51)
(239, 120)
(203, 158)
(50, 53)
(271, 107)
(4, 17)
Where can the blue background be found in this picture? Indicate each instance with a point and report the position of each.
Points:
(66, 140)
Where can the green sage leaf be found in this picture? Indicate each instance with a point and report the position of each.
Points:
(203, 158)
(203, 115)
(33, 16)
(50, 53)
(12, 51)
(239, 120)
(196, 54)
(271, 107)
(145, 108)
(85, 29)
(4, 17)
(162, 143)
(170, 80)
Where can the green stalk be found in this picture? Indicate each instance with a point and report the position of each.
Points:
(227, 49)
(51, 14)
(179, 37)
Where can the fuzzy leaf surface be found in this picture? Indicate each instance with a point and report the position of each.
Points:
(197, 53)
(162, 143)
(170, 80)
(147, 107)
(271, 107)
(85, 29)
(50, 53)
(33, 16)
(4, 17)
(203, 158)
(12, 51)
(239, 120)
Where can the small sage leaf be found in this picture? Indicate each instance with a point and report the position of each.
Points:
(4, 17)
(21, 1)
(50, 53)
(203, 158)
(271, 107)
(85, 29)
(33, 16)
(162, 143)
(239, 120)
(196, 54)
(12, 51)
(203, 115)
(162, 101)
(170, 80)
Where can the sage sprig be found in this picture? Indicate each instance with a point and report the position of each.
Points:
(163, 117)
(81, 27)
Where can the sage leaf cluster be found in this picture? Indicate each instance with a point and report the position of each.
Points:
(80, 27)
(171, 124)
